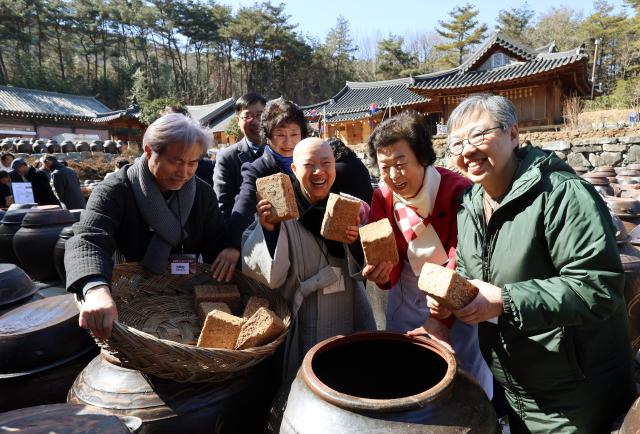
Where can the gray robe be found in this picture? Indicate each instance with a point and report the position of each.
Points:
(303, 272)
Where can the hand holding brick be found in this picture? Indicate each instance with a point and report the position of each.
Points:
(278, 190)
(446, 286)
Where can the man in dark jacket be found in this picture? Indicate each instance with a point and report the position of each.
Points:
(65, 184)
(227, 177)
(148, 211)
(19, 170)
(40, 182)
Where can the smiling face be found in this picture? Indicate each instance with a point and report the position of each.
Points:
(175, 166)
(249, 122)
(400, 169)
(315, 168)
(285, 138)
(491, 163)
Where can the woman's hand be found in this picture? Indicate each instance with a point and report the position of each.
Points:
(436, 330)
(98, 312)
(437, 310)
(379, 274)
(264, 211)
(352, 231)
(486, 305)
(224, 265)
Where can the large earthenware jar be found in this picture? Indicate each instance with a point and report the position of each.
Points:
(68, 146)
(43, 350)
(67, 419)
(33, 243)
(82, 146)
(53, 147)
(360, 383)
(110, 147)
(24, 147)
(10, 224)
(628, 209)
(96, 146)
(39, 147)
(58, 252)
(234, 406)
(15, 285)
(600, 183)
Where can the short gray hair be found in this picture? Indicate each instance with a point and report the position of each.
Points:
(176, 129)
(498, 107)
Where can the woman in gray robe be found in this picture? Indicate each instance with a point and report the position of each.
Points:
(319, 278)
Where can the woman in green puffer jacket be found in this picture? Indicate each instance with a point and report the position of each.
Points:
(538, 243)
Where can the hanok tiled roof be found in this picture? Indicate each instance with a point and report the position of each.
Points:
(209, 112)
(31, 103)
(498, 39)
(219, 124)
(131, 112)
(456, 78)
(355, 99)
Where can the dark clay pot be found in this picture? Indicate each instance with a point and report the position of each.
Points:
(234, 406)
(33, 243)
(24, 147)
(110, 147)
(15, 285)
(43, 350)
(67, 419)
(10, 224)
(58, 252)
(53, 147)
(360, 383)
(68, 146)
(630, 258)
(7, 145)
(96, 146)
(82, 147)
(39, 147)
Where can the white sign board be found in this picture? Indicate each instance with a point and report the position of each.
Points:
(22, 192)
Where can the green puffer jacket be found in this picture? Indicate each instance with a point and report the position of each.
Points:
(561, 349)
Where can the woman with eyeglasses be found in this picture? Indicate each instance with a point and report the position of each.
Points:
(419, 200)
(284, 126)
(538, 242)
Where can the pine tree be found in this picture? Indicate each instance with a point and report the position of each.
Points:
(393, 61)
(463, 31)
(514, 22)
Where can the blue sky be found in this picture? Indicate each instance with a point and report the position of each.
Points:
(368, 18)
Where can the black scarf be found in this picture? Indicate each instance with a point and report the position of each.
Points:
(311, 216)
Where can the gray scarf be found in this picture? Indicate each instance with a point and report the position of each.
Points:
(161, 216)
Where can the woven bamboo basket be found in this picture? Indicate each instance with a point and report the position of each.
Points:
(156, 310)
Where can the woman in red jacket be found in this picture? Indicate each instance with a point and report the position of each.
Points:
(420, 201)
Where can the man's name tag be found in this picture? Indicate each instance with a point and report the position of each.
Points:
(337, 286)
(183, 264)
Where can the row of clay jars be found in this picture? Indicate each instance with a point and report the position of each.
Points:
(626, 218)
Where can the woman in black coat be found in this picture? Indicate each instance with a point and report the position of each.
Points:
(283, 125)
(352, 176)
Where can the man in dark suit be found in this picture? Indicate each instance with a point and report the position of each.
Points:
(227, 178)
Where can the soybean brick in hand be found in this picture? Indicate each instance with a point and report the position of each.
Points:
(277, 189)
(341, 211)
(378, 242)
(446, 286)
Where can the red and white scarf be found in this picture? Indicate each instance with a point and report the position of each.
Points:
(413, 218)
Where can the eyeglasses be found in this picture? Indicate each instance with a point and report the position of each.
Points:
(248, 116)
(476, 138)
